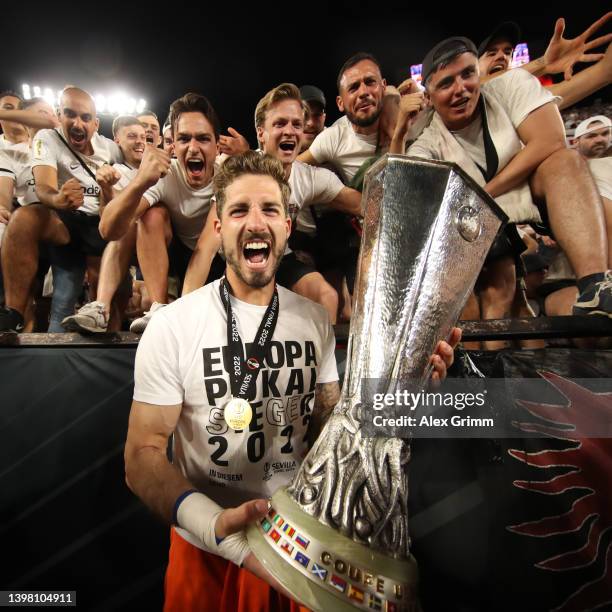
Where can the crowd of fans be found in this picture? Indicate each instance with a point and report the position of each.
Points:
(111, 230)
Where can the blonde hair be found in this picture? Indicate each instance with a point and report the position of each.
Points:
(284, 91)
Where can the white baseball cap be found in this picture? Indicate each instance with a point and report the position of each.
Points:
(585, 126)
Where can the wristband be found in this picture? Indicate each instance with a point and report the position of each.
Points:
(198, 514)
(177, 503)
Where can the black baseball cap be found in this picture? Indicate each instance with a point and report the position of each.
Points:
(444, 51)
(508, 30)
(310, 93)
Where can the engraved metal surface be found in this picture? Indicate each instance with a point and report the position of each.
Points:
(427, 230)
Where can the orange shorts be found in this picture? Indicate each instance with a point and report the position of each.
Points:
(203, 582)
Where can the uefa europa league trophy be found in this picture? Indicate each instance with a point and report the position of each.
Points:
(338, 537)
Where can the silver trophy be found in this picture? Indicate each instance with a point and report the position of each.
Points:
(337, 538)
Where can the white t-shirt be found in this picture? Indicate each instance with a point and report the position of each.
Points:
(340, 146)
(601, 169)
(16, 164)
(188, 207)
(182, 358)
(49, 150)
(509, 99)
(311, 185)
(127, 174)
(5, 142)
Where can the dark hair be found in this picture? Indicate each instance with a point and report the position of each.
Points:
(194, 103)
(355, 59)
(10, 92)
(123, 121)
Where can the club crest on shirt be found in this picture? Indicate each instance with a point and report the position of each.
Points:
(39, 149)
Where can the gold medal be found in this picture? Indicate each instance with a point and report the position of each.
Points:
(238, 413)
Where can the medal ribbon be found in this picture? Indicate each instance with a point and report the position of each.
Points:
(243, 372)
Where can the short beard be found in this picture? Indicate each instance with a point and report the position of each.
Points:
(366, 121)
(257, 280)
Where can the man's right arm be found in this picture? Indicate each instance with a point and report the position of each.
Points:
(307, 158)
(69, 197)
(148, 472)
(129, 203)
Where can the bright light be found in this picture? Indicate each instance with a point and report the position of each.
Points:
(48, 96)
(100, 101)
(115, 103)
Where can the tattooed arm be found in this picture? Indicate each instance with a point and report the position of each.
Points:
(325, 400)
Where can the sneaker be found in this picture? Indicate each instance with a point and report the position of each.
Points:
(139, 325)
(91, 318)
(596, 299)
(10, 320)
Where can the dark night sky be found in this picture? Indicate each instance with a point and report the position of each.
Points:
(234, 56)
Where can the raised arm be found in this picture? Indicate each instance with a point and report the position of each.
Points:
(129, 204)
(28, 118)
(562, 53)
(585, 83)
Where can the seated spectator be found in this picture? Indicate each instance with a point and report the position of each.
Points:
(171, 200)
(95, 316)
(66, 164)
(507, 135)
(12, 131)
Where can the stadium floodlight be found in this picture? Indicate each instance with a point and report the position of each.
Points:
(115, 103)
(100, 100)
(49, 97)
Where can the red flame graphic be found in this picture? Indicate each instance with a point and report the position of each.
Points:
(590, 458)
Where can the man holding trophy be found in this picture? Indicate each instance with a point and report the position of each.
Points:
(239, 434)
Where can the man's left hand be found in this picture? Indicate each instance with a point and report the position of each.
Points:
(563, 53)
(444, 356)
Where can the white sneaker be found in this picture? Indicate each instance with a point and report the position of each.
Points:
(91, 318)
(140, 324)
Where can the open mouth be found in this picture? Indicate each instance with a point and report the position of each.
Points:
(195, 166)
(77, 136)
(497, 68)
(256, 253)
(288, 146)
(460, 104)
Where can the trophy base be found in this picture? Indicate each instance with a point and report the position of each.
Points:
(325, 570)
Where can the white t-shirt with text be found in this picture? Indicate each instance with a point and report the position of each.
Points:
(49, 150)
(182, 358)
